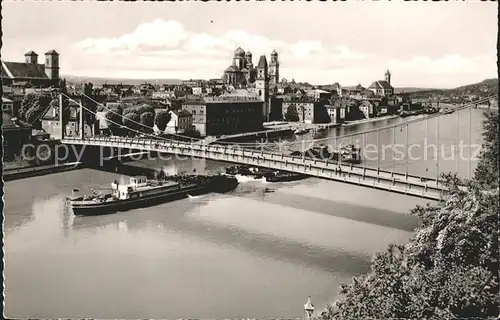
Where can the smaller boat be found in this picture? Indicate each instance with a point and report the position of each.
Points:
(282, 176)
(301, 131)
(446, 111)
(322, 129)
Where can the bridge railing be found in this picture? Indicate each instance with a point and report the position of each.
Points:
(164, 146)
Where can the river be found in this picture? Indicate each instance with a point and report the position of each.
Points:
(248, 253)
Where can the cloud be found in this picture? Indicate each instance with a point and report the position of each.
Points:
(165, 49)
(166, 46)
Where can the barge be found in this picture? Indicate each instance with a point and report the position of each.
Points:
(346, 153)
(141, 192)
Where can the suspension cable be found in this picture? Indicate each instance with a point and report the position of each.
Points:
(258, 144)
(249, 144)
(128, 119)
(120, 125)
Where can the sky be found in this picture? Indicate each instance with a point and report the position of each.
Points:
(423, 44)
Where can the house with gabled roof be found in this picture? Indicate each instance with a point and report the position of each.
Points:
(30, 72)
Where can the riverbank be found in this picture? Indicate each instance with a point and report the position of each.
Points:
(10, 174)
(355, 122)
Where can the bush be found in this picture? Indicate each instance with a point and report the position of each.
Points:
(449, 269)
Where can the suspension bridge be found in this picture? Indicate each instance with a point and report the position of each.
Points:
(390, 165)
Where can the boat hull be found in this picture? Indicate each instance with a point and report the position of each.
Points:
(101, 208)
(285, 178)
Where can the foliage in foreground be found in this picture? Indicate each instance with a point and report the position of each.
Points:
(450, 267)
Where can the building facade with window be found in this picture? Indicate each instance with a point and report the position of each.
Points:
(214, 116)
(180, 121)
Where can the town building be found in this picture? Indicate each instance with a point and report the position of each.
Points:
(30, 71)
(274, 69)
(352, 91)
(382, 87)
(336, 113)
(8, 106)
(214, 116)
(368, 108)
(318, 94)
(181, 121)
(15, 135)
(262, 86)
(193, 83)
(198, 91)
(51, 121)
(304, 110)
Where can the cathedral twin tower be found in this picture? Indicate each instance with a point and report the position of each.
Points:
(243, 73)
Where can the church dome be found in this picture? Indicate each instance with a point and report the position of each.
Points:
(274, 53)
(239, 52)
(248, 54)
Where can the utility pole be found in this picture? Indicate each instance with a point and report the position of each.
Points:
(407, 152)
(82, 125)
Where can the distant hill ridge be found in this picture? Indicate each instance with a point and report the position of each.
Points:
(101, 81)
(488, 86)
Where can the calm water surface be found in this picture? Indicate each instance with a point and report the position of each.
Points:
(242, 254)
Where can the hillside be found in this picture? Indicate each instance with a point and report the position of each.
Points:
(484, 88)
(412, 89)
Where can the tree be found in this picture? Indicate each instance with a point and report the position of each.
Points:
(161, 119)
(128, 110)
(89, 102)
(145, 108)
(449, 269)
(36, 101)
(130, 121)
(114, 121)
(30, 116)
(147, 120)
(290, 115)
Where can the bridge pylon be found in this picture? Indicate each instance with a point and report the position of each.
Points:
(61, 115)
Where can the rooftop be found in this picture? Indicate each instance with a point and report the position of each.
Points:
(23, 70)
(262, 62)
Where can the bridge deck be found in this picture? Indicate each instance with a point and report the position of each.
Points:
(375, 178)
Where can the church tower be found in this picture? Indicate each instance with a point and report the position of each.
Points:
(388, 77)
(274, 69)
(262, 86)
(31, 57)
(52, 65)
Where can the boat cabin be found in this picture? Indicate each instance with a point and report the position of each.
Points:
(140, 186)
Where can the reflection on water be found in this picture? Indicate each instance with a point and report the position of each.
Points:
(258, 251)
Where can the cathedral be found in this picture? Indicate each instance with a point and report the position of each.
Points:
(243, 73)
